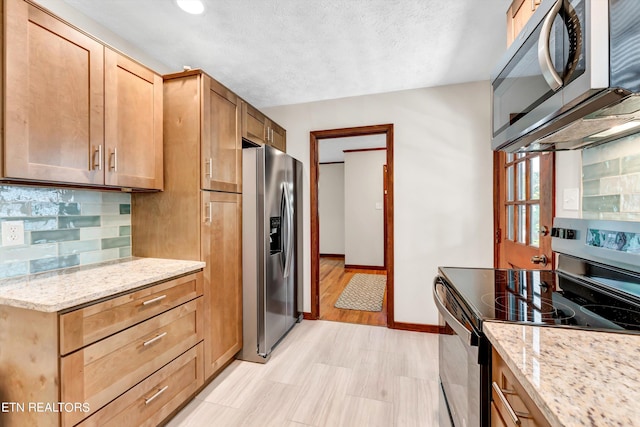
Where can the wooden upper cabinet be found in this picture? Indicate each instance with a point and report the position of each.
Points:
(76, 112)
(133, 124)
(221, 141)
(518, 15)
(259, 129)
(54, 99)
(254, 124)
(278, 137)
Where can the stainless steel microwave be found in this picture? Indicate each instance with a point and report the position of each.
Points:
(571, 79)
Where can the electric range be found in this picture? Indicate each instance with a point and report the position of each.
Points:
(595, 286)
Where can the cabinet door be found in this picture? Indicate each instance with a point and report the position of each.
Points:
(133, 124)
(221, 141)
(54, 90)
(254, 125)
(278, 138)
(518, 15)
(222, 251)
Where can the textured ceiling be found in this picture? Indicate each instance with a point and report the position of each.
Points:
(278, 52)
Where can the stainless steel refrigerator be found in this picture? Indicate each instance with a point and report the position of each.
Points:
(271, 249)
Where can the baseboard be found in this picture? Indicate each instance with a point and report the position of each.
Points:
(341, 256)
(365, 267)
(308, 316)
(417, 327)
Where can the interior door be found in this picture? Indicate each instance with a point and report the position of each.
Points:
(524, 195)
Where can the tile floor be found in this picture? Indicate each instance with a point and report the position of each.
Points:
(327, 374)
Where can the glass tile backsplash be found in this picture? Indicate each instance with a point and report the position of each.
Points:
(64, 228)
(611, 180)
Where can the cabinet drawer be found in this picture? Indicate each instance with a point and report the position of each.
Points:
(151, 401)
(102, 371)
(90, 324)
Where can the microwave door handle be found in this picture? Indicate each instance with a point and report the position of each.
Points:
(554, 80)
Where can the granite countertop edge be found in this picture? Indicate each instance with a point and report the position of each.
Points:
(66, 288)
(540, 402)
(576, 376)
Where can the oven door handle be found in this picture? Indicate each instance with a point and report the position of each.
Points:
(461, 330)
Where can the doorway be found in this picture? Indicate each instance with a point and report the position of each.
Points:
(524, 194)
(327, 136)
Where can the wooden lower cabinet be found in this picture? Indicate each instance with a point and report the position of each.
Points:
(155, 398)
(222, 237)
(511, 406)
(137, 374)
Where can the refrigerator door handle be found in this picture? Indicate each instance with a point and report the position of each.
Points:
(288, 209)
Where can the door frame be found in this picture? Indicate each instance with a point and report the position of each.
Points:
(315, 137)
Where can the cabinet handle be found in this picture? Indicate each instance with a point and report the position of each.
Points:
(271, 131)
(515, 415)
(113, 160)
(266, 134)
(98, 153)
(154, 339)
(156, 394)
(156, 299)
(207, 213)
(209, 167)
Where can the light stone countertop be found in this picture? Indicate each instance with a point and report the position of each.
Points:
(62, 289)
(576, 377)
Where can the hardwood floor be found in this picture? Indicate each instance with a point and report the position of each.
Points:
(327, 374)
(333, 279)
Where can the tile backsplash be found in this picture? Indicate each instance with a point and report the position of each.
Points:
(64, 228)
(611, 180)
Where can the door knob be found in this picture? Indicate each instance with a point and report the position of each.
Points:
(539, 259)
(544, 230)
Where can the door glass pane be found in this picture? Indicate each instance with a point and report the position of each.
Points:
(510, 186)
(521, 180)
(534, 237)
(522, 223)
(509, 157)
(510, 223)
(534, 178)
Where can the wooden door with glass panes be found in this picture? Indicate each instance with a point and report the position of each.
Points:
(524, 209)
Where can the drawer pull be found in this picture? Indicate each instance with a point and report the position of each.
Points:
(158, 393)
(154, 339)
(505, 403)
(156, 299)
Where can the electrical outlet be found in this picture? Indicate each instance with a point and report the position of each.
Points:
(12, 233)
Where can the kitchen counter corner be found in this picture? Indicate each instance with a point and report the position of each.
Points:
(575, 377)
(63, 289)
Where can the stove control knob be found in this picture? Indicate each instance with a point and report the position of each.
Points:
(539, 259)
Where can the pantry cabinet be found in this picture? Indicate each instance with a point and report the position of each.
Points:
(518, 15)
(203, 152)
(259, 129)
(76, 112)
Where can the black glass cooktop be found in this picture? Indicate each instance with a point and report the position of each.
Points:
(602, 300)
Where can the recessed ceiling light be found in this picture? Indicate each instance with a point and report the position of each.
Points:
(194, 7)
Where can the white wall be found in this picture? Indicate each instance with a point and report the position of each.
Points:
(331, 208)
(568, 181)
(443, 180)
(363, 207)
(88, 25)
